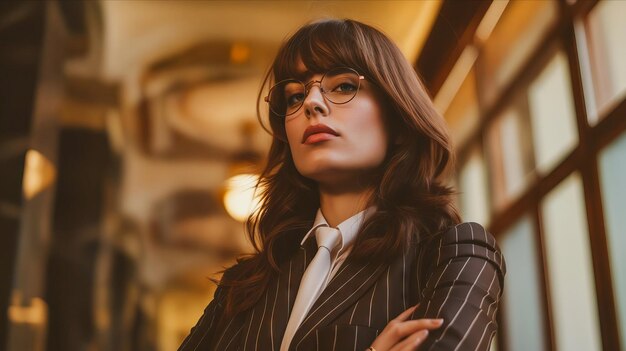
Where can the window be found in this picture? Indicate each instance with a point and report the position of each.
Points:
(524, 318)
(473, 181)
(542, 113)
(570, 271)
(612, 177)
(526, 152)
(517, 34)
(602, 37)
(552, 114)
(510, 156)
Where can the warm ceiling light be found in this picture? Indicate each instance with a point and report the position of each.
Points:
(39, 173)
(36, 313)
(239, 199)
(239, 53)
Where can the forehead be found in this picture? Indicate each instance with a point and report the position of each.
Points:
(302, 72)
(300, 67)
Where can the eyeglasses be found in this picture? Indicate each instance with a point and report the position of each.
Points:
(338, 85)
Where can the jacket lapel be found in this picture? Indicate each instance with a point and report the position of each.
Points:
(289, 281)
(346, 287)
(267, 321)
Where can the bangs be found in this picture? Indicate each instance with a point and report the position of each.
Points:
(320, 46)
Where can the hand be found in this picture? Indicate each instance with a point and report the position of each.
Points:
(400, 334)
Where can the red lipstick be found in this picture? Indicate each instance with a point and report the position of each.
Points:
(318, 132)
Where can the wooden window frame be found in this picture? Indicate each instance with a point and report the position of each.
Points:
(583, 158)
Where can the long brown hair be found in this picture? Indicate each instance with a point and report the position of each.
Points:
(411, 200)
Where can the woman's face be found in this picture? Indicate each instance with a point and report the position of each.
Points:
(356, 145)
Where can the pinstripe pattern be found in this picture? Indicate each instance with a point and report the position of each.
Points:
(457, 275)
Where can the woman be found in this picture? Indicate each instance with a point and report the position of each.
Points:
(356, 226)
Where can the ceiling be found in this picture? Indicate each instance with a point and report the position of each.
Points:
(137, 32)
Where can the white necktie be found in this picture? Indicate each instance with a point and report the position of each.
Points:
(313, 281)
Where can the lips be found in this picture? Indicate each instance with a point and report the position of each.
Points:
(318, 129)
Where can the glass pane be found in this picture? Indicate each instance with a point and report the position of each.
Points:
(524, 317)
(612, 175)
(534, 133)
(462, 114)
(605, 29)
(510, 153)
(552, 114)
(517, 34)
(473, 189)
(570, 272)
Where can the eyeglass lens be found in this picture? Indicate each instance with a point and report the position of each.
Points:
(338, 85)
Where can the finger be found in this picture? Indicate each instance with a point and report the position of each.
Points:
(398, 331)
(401, 330)
(412, 342)
(404, 315)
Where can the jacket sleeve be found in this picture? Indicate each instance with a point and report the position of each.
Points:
(460, 279)
(201, 334)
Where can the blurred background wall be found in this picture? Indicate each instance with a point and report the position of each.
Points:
(129, 141)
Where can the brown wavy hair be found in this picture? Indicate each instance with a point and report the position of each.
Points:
(411, 199)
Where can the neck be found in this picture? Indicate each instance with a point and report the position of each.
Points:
(337, 206)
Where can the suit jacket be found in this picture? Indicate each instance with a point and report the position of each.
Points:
(456, 275)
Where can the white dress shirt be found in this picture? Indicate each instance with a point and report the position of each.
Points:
(348, 229)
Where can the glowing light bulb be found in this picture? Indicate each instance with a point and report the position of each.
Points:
(240, 199)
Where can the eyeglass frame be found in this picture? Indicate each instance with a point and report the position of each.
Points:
(307, 90)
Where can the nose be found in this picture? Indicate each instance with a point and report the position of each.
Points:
(315, 103)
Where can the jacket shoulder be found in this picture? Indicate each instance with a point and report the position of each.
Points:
(464, 240)
(469, 232)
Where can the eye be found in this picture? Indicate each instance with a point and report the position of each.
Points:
(340, 84)
(345, 88)
(293, 94)
(294, 99)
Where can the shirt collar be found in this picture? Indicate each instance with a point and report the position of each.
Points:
(348, 228)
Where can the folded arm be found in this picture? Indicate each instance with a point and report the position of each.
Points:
(460, 278)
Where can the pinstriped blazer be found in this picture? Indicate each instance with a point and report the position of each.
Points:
(456, 275)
